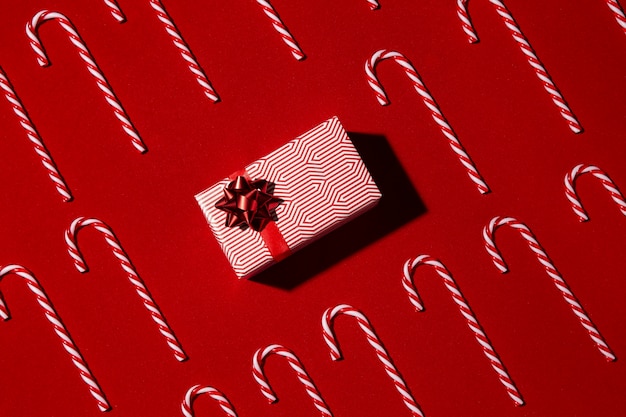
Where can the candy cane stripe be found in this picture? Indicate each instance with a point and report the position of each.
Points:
(618, 13)
(468, 27)
(197, 390)
(54, 319)
(335, 354)
(185, 51)
(429, 101)
(373, 4)
(527, 50)
(34, 138)
(115, 10)
(407, 282)
(127, 266)
(35, 43)
(258, 361)
(282, 30)
(607, 183)
(559, 282)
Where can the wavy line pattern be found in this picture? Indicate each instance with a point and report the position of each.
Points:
(323, 183)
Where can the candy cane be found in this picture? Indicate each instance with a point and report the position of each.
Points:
(293, 361)
(542, 257)
(280, 27)
(466, 311)
(618, 12)
(33, 136)
(35, 43)
(609, 185)
(184, 50)
(466, 23)
(373, 4)
(528, 51)
(429, 101)
(59, 329)
(193, 392)
(374, 341)
(178, 41)
(127, 266)
(115, 10)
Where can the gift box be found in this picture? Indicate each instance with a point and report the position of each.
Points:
(289, 198)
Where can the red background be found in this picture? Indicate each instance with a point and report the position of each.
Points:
(488, 93)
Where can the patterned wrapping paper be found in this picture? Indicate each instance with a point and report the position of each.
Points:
(322, 182)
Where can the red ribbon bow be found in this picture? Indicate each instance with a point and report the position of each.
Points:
(248, 202)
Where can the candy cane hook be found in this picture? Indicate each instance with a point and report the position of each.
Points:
(280, 27)
(293, 361)
(127, 266)
(197, 390)
(35, 139)
(335, 354)
(115, 10)
(618, 13)
(59, 329)
(542, 257)
(472, 322)
(185, 52)
(35, 43)
(609, 185)
(528, 51)
(429, 101)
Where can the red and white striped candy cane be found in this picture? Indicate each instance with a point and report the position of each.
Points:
(542, 257)
(33, 136)
(335, 354)
(528, 51)
(257, 371)
(618, 12)
(115, 10)
(373, 4)
(429, 101)
(466, 311)
(609, 185)
(185, 52)
(127, 266)
(468, 28)
(59, 329)
(197, 390)
(35, 43)
(280, 27)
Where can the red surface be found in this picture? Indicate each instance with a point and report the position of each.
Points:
(490, 96)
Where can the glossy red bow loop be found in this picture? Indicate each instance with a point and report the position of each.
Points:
(249, 202)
